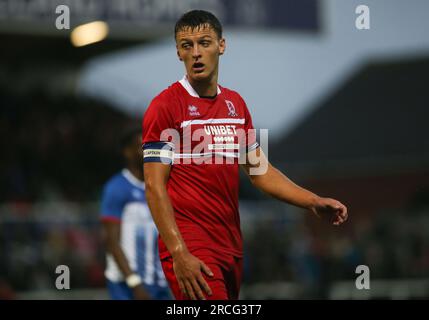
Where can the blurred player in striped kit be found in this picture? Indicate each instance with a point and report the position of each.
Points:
(133, 268)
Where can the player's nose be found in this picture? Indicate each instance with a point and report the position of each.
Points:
(196, 52)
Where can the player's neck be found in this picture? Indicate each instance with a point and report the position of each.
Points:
(136, 172)
(207, 88)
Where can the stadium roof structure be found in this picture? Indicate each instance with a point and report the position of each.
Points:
(376, 122)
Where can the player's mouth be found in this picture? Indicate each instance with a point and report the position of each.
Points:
(198, 67)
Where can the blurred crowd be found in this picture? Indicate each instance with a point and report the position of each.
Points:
(279, 247)
(394, 244)
(37, 238)
(54, 149)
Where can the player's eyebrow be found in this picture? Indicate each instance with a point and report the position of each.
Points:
(185, 40)
(206, 37)
(203, 37)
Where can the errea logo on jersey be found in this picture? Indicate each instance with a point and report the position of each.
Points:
(193, 110)
(231, 108)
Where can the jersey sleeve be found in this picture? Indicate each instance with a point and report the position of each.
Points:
(158, 133)
(250, 142)
(112, 204)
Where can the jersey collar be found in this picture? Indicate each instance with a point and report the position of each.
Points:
(185, 83)
(132, 179)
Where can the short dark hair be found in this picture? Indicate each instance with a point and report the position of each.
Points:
(195, 18)
(127, 136)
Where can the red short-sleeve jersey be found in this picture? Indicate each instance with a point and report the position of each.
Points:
(203, 139)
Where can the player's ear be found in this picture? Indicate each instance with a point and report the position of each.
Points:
(178, 54)
(222, 46)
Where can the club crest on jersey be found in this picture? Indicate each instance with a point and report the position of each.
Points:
(193, 110)
(231, 108)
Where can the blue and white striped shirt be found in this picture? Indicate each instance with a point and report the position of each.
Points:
(124, 201)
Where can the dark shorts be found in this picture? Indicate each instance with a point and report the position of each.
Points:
(225, 284)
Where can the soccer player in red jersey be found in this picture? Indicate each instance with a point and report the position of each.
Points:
(196, 135)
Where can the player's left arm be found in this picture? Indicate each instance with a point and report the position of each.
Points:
(274, 183)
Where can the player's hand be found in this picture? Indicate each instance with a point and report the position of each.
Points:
(187, 269)
(330, 209)
(140, 294)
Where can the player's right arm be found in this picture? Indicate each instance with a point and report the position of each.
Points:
(111, 218)
(187, 267)
(158, 158)
(111, 237)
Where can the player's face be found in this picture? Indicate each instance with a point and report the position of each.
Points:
(199, 49)
(134, 152)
